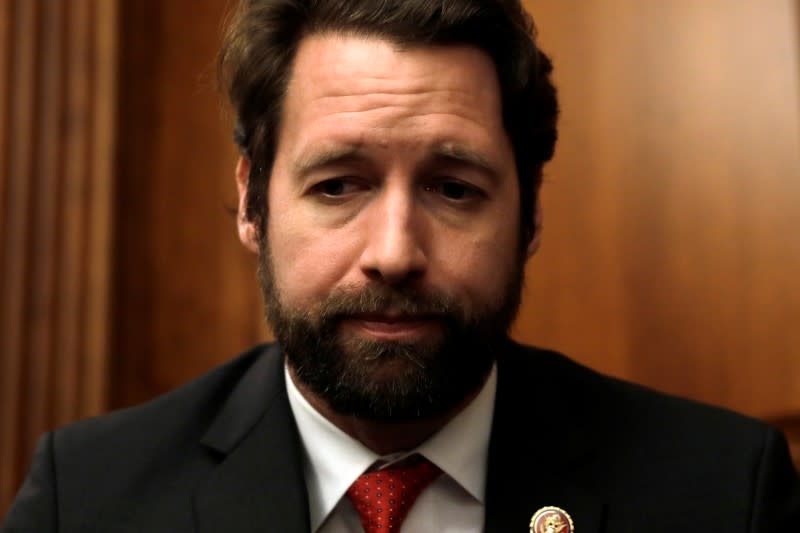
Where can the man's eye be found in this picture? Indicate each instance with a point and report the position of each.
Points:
(454, 190)
(334, 188)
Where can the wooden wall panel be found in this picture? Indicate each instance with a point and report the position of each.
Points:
(186, 296)
(670, 253)
(58, 137)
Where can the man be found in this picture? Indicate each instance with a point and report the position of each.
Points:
(391, 159)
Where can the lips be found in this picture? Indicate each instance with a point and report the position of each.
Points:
(393, 327)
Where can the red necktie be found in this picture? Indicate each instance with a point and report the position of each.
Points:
(384, 497)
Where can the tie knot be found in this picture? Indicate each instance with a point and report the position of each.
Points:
(384, 497)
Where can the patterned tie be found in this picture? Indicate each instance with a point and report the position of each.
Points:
(384, 497)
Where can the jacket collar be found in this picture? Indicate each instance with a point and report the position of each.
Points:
(258, 482)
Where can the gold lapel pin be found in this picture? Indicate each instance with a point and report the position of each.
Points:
(552, 520)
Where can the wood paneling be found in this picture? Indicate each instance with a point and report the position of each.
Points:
(58, 137)
(186, 296)
(670, 252)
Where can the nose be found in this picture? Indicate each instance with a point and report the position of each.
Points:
(394, 251)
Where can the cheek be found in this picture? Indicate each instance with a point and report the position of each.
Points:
(307, 262)
(478, 265)
(302, 259)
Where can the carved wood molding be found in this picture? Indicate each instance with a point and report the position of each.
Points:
(57, 143)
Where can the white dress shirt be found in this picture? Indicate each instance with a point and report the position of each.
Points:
(454, 503)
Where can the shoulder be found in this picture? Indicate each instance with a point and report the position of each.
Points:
(639, 445)
(614, 402)
(659, 458)
(180, 417)
(625, 431)
(141, 465)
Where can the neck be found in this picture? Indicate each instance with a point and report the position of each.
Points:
(382, 436)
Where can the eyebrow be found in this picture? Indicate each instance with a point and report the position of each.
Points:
(447, 152)
(322, 158)
(463, 155)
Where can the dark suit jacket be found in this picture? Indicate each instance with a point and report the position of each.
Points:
(222, 454)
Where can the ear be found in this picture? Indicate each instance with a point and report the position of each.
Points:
(536, 239)
(248, 233)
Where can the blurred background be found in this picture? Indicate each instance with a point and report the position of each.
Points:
(671, 254)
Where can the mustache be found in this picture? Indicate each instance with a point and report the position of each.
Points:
(382, 299)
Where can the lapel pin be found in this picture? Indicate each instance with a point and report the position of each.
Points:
(551, 520)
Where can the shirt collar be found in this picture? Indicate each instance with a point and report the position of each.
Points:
(461, 448)
(333, 459)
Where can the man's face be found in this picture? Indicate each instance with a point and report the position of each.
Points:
(391, 263)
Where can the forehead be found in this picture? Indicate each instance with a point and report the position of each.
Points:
(344, 56)
(343, 84)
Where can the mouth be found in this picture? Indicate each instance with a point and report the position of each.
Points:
(390, 326)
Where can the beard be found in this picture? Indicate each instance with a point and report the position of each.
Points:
(390, 380)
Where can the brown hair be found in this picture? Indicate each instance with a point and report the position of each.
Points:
(263, 36)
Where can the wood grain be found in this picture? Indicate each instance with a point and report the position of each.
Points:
(21, 49)
(53, 348)
(185, 289)
(670, 250)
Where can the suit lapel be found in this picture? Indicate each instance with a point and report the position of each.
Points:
(536, 444)
(258, 483)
